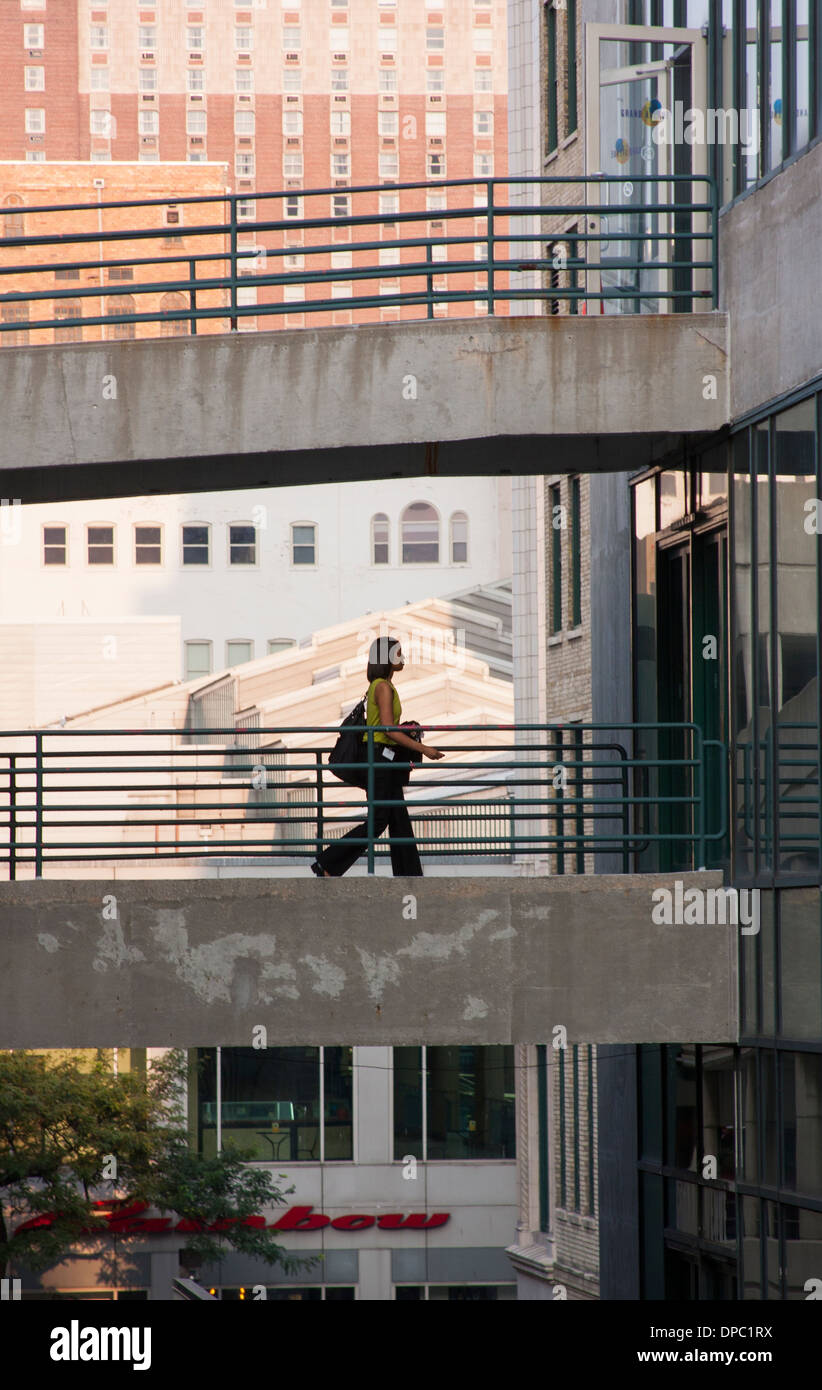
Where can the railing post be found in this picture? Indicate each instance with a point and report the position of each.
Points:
(370, 793)
(192, 294)
(12, 817)
(699, 770)
(490, 245)
(320, 809)
(233, 261)
(38, 805)
(429, 257)
(714, 244)
(560, 821)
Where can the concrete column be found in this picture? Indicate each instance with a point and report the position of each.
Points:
(375, 1275)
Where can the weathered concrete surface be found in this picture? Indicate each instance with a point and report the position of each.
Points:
(266, 409)
(771, 286)
(486, 961)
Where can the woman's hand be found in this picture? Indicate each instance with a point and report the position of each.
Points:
(431, 752)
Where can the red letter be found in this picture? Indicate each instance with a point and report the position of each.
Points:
(300, 1219)
(352, 1223)
(395, 1221)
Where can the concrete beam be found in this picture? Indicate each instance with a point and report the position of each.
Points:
(454, 397)
(191, 963)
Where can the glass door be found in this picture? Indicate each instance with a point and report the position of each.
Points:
(640, 84)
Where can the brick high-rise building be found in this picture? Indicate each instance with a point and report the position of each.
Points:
(311, 94)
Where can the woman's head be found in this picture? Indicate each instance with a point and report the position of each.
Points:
(384, 658)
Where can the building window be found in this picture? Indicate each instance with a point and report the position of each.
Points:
(100, 78)
(195, 36)
(338, 38)
(380, 539)
(196, 545)
(483, 165)
(149, 121)
(435, 40)
(293, 166)
(292, 123)
(147, 38)
(244, 166)
(435, 123)
(270, 1102)
(483, 80)
(120, 304)
(303, 543)
(420, 534)
(35, 79)
(280, 644)
(12, 221)
(246, 210)
(340, 122)
(195, 121)
(469, 1102)
(55, 545)
(435, 166)
(238, 652)
(147, 78)
(551, 93)
(340, 166)
(68, 309)
(98, 35)
(15, 313)
(484, 123)
(435, 80)
(242, 544)
(195, 80)
(340, 205)
(388, 80)
(292, 80)
(571, 82)
(100, 545)
(244, 38)
(459, 538)
(244, 79)
(148, 545)
(557, 516)
(576, 552)
(35, 120)
(339, 79)
(293, 207)
(34, 36)
(197, 660)
(170, 304)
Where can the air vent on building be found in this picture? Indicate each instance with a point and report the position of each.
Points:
(293, 142)
(244, 99)
(388, 143)
(291, 57)
(435, 101)
(339, 57)
(340, 142)
(342, 99)
(434, 142)
(245, 141)
(341, 183)
(148, 57)
(195, 57)
(292, 101)
(196, 140)
(196, 96)
(150, 97)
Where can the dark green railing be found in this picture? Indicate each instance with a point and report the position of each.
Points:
(501, 232)
(568, 793)
(778, 801)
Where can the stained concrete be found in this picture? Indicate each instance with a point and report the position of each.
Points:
(175, 962)
(541, 395)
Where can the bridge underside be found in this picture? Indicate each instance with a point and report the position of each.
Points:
(449, 397)
(193, 962)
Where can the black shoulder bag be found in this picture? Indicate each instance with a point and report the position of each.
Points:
(350, 748)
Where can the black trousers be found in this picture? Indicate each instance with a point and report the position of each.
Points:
(338, 857)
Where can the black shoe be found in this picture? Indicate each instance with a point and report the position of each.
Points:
(315, 869)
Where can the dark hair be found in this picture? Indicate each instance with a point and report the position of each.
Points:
(381, 655)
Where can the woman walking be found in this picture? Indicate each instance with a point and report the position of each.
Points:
(383, 706)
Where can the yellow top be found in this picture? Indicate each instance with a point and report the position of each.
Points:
(373, 714)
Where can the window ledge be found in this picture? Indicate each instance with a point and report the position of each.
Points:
(569, 139)
(555, 640)
(574, 633)
(549, 158)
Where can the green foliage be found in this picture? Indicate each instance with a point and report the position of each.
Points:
(60, 1124)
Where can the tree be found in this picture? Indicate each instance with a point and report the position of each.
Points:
(70, 1133)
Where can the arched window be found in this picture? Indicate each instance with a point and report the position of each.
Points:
(120, 304)
(379, 539)
(459, 538)
(12, 223)
(173, 328)
(68, 309)
(420, 531)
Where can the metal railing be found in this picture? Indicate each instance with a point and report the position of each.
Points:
(79, 796)
(493, 246)
(778, 809)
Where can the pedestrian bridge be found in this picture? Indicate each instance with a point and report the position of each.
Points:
(515, 389)
(103, 963)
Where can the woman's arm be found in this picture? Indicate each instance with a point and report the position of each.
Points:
(385, 706)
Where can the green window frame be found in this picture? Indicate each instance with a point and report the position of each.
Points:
(556, 563)
(563, 1167)
(575, 1077)
(543, 1152)
(551, 88)
(576, 552)
(571, 45)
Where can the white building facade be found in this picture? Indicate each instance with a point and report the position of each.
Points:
(251, 572)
